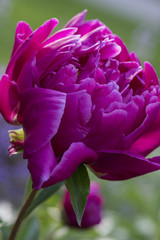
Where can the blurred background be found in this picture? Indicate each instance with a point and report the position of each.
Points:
(132, 207)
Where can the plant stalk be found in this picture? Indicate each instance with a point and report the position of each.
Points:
(21, 215)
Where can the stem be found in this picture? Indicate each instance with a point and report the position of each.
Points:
(21, 215)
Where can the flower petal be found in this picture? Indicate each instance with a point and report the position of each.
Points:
(121, 165)
(9, 101)
(110, 50)
(152, 111)
(41, 164)
(149, 141)
(47, 57)
(28, 47)
(76, 154)
(124, 54)
(65, 32)
(76, 20)
(73, 125)
(150, 75)
(23, 30)
(107, 130)
(42, 110)
(89, 25)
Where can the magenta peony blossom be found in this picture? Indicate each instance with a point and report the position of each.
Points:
(80, 97)
(93, 210)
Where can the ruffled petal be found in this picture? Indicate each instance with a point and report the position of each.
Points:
(27, 78)
(150, 75)
(107, 130)
(124, 54)
(121, 165)
(41, 164)
(110, 50)
(89, 25)
(48, 56)
(28, 48)
(41, 110)
(73, 125)
(152, 111)
(23, 30)
(76, 20)
(149, 141)
(9, 99)
(65, 32)
(76, 154)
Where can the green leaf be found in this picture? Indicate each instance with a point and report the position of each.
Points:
(30, 230)
(79, 187)
(28, 188)
(4, 232)
(43, 196)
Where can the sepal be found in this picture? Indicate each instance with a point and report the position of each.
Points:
(16, 141)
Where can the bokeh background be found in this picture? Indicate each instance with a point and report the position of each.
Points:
(132, 207)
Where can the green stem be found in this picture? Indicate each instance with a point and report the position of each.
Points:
(21, 215)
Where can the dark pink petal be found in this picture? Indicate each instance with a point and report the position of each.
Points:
(63, 80)
(99, 76)
(132, 113)
(103, 96)
(132, 73)
(76, 115)
(91, 64)
(124, 54)
(41, 110)
(65, 32)
(126, 66)
(91, 40)
(133, 57)
(148, 141)
(28, 48)
(76, 20)
(151, 77)
(26, 78)
(110, 50)
(23, 30)
(76, 154)
(121, 165)
(90, 25)
(152, 111)
(87, 84)
(107, 130)
(16, 56)
(9, 99)
(47, 56)
(111, 70)
(41, 164)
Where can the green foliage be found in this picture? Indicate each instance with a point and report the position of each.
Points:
(43, 195)
(28, 188)
(30, 230)
(79, 186)
(4, 232)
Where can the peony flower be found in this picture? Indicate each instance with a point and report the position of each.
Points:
(81, 97)
(93, 210)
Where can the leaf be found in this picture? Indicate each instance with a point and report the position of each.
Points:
(28, 187)
(78, 186)
(30, 230)
(43, 196)
(4, 232)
